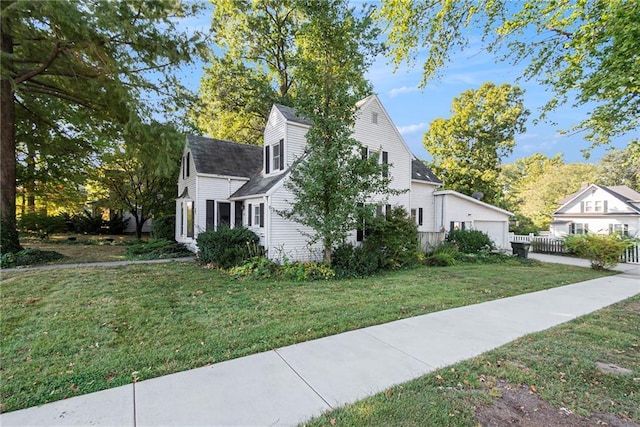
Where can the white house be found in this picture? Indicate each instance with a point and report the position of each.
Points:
(225, 183)
(598, 209)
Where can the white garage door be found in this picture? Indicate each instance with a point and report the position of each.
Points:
(495, 230)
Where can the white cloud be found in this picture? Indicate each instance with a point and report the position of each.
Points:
(409, 129)
(402, 90)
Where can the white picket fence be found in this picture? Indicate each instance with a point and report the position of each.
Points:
(552, 245)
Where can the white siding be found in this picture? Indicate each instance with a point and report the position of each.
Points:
(614, 205)
(190, 184)
(286, 237)
(293, 135)
(422, 197)
(383, 136)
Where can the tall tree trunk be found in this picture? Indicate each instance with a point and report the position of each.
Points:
(8, 234)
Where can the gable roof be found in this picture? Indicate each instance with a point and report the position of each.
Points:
(420, 172)
(258, 185)
(472, 200)
(218, 157)
(621, 192)
(291, 116)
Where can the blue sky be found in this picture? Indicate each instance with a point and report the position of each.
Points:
(412, 108)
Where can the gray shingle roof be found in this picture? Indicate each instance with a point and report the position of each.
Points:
(218, 157)
(420, 172)
(290, 114)
(257, 185)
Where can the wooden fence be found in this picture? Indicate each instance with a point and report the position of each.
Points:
(429, 239)
(554, 245)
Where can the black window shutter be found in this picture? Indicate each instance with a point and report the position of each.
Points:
(605, 208)
(385, 164)
(261, 214)
(249, 215)
(364, 151)
(282, 154)
(387, 210)
(360, 228)
(237, 222)
(210, 215)
(267, 159)
(188, 164)
(581, 206)
(419, 216)
(452, 226)
(184, 167)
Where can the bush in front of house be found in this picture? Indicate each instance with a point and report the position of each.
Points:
(349, 261)
(41, 224)
(157, 249)
(117, 225)
(227, 247)
(164, 227)
(604, 251)
(394, 237)
(28, 256)
(470, 241)
(442, 255)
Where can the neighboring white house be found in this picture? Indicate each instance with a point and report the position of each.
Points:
(598, 209)
(225, 183)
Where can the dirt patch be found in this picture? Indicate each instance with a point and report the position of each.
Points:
(520, 406)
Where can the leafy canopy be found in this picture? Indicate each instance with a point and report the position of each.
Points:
(586, 51)
(468, 147)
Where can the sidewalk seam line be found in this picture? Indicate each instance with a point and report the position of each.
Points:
(399, 350)
(303, 380)
(135, 415)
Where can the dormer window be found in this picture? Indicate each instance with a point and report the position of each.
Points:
(274, 157)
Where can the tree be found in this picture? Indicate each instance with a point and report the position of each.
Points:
(621, 167)
(584, 48)
(254, 71)
(467, 148)
(96, 58)
(329, 183)
(535, 185)
(132, 179)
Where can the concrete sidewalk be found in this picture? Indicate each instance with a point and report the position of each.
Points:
(292, 384)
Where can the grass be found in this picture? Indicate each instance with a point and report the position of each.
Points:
(77, 331)
(85, 249)
(559, 364)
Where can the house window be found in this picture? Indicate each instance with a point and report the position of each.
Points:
(456, 225)
(414, 215)
(258, 215)
(577, 228)
(601, 206)
(622, 229)
(224, 214)
(385, 164)
(374, 117)
(276, 157)
(190, 213)
(587, 206)
(210, 215)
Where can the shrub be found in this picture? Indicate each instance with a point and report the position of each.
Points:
(395, 238)
(441, 259)
(604, 251)
(85, 223)
(227, 247)
(470, 241)
(157, 249)
(164, 227)
(302, 271)
(117, 224)
(9, 239)
(351, 261)
(28, 256)
(256, 268)
(41, 224)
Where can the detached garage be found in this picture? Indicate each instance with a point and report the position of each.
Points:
(458, 211)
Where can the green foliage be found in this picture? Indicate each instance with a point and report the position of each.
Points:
(468, 148)
(28, 256)
(262, 268)
(533, 185)
(395, 237)
(164, 227)
(440, 259)
(604, 251)
(84, 223)
(470, 241)
(41, 224)
(227, 247)
(355, 261)
(117, 225)
(157, 249)
(9, 239)
(621, 167)
(576, 48)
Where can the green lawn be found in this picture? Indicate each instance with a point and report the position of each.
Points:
(70, 332)
(559, 365)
